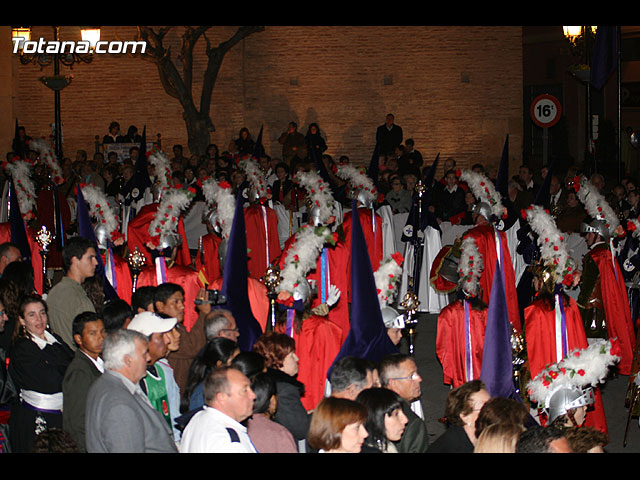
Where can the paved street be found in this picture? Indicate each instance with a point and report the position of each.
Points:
(434, 392)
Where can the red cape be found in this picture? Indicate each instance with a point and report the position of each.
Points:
(124, 282)
(374, 242)
(485, 241)
(183, 276)
(208, 261)
(257, 238)
(36, 258)
(317, 345)
(616, 305)
(338, 275)
(258, 299)
(138, 235)
(450, 342)
(540, 337)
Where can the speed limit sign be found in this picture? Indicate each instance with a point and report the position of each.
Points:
(545, 110)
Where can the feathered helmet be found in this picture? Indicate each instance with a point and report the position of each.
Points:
(222, 205)
(320, 202)
(163, 227)
(489, 201)
(46, 155)
(603, 220)
(107, 223)
(360, 184)
(633, 226)
(259, 191)
(569, 383)
(387, 277)
(162, 166)
(556, 265)
(301, 258)
(470, 268)
(20, 171)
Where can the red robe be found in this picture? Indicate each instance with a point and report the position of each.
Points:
(124, 282)
(183, 276)
(338, 274)
(616, 305)
(36, 258)
(540, 337)
(208, 260)
(374, 241)
(450, 342)
(486, 242)
(138, 235)
(259, 240)
(258, 299)
(317, 345)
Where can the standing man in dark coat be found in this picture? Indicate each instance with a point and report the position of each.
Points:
(388, 136)
(87, 366)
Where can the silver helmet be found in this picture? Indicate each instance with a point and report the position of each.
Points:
(596, 226)
(210, 217)
(362, 196)
(302, 290)
(391, 318)
(102, 236)
(483, 209)
(316, 217)
(170, 240)
(566, 399)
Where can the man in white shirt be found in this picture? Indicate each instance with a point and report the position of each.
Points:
(217, 428)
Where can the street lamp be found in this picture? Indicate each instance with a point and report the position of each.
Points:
(579, 38)
(46, 56)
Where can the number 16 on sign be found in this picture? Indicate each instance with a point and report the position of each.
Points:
(545, 112)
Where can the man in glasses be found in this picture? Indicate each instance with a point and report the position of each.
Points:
(399, 372)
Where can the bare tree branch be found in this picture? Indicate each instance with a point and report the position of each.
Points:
(180, 86)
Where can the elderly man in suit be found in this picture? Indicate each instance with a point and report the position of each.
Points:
(120, 417)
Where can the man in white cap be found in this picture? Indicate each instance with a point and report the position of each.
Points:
(159, 384)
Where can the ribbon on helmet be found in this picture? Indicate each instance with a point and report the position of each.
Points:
(110, 268)
(562, 346)
(161, 270)
(467, 342)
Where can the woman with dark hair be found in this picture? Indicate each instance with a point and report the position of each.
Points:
(217, 352)
(463, 406)
(39, 360)
(337, 426)
(16, 283)
(385, 420)
(212, 152)
(278, 350)
(249, 363)
(316, 145)
(267, 435)
(244, 144)
(283, 189)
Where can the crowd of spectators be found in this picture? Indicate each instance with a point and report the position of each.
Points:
(226, 392)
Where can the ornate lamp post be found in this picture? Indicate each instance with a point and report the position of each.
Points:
(56, 82)
(580, 40)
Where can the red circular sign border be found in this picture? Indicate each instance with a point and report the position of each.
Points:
(556, 102)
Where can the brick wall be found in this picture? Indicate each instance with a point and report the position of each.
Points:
(456, 90)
